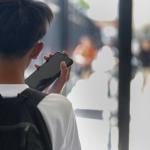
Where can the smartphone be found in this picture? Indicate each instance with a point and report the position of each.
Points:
(48, 72)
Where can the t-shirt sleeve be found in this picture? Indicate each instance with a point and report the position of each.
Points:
(72, 141)
(60, 119)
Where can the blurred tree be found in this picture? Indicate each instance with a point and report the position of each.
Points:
(82, 3)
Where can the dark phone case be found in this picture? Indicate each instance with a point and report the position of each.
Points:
(39, 81)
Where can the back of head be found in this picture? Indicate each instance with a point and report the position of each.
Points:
(22, 24)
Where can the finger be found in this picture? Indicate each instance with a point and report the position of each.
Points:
(63, 64)
(64, 69)
(37, 66)
(50, 54)
(65, 52)
(68, 75)
(47, 57)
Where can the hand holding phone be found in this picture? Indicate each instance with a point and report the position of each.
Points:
(60, 82)
(48, 72)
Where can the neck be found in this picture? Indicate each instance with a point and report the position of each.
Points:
(11, 72)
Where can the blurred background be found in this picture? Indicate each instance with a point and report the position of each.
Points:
(88, 31)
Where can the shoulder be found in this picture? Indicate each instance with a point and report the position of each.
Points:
(56, 100)
(56, 105)
(58, 113)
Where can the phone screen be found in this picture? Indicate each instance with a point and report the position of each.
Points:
(48, 72)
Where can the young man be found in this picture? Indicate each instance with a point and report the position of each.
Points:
(22, 25)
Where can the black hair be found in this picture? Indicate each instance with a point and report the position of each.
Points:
(22, 24)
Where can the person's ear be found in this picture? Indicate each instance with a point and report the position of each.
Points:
(36, 50)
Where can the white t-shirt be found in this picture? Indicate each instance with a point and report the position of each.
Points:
(58, 114)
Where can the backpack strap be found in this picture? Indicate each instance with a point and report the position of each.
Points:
(33, 98)
(36, 96)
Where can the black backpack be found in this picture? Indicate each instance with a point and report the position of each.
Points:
(21, 124)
